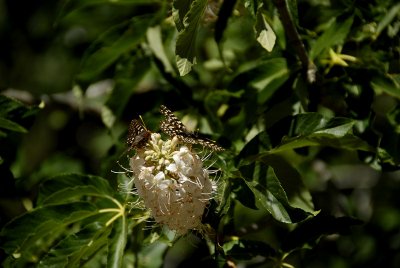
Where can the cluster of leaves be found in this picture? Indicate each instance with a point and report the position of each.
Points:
(237, 72)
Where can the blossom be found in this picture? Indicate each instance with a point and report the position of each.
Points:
(171, 180)
(336, 58)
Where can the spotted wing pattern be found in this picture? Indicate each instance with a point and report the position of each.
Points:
(138, 135)
(172, 126)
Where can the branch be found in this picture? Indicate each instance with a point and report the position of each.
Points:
(294, 39)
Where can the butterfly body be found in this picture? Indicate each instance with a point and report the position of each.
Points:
(138, 135)
(173, 127)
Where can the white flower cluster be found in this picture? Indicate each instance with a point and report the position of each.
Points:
(172, 182)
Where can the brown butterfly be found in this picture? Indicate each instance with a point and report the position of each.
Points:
(173, 127)
(138, 135)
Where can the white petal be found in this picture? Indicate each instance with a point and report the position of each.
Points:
(172, 168)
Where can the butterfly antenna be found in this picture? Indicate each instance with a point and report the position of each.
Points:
(144, 125)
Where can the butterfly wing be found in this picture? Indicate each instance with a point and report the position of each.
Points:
(173, 127)
(172, 123)
(138, 135)
(209, 144)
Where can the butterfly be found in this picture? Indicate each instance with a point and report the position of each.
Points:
(173, 127)
(138, 135)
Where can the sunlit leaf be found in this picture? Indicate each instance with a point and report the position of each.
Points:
(184, 65)
(186, 41)
(264, 33)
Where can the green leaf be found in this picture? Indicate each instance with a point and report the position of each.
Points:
(389, 160)
(387, 19)
(179, 10)
(248, 249)
(111, 48)
(243, 193)
(186, 41)
(334, 35)
(10, 125)
(275, 76)
(293, 11)
(311, 129)
(156, 45)
(116, 243)
(152, 256)
(307, 123)
(184, 65)
(348, 142)
(64, 188)
(35, 229)
(270, 195)
(107, 116)
(73, 5)
(222, 207)
(386, 84)
(13, 112)
(253, 6)
(102, 2)
(9, 105)
(75, 248)
(298, 194)
(266, 77)
(126, 82)
(309, 231)
(264, 33)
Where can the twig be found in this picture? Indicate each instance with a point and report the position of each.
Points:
(294, 39)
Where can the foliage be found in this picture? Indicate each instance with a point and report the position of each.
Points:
(304, 95)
